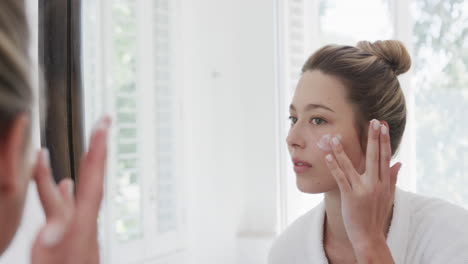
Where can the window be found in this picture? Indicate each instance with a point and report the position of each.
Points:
(440, 83)
(296, 21)
(128, 53)
(347, 22)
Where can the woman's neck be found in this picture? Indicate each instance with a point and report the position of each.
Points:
(337, 246)
(334, 228)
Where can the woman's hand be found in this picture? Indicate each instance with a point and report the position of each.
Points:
(367, 199)
(70, 233)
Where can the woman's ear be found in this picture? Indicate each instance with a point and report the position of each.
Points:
(12, 151)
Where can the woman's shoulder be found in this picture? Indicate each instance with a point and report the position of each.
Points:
(437, 228)
(433, 210)
(295, 240)
(297, 229)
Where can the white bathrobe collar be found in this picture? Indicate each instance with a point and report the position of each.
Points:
(397, 238)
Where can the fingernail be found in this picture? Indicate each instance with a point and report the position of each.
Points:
(376, 125)
(46, 157)
(107, 121)
(52, 235)
(335, 141)
(383, 129)
(102, 124)
(329, 157)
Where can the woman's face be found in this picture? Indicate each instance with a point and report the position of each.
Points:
(15, 162)
(319, 110)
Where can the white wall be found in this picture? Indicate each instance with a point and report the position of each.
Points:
(229, 82)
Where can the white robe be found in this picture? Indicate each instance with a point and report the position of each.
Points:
(423, 231)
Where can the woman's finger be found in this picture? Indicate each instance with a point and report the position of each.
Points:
(343, 161)
(372, 152)
(47, 189)
(385, 154)
(341, 179)
(66, 190)
(92, 170)
(52, 233)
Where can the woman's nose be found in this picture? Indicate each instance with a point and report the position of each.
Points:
(295, 139)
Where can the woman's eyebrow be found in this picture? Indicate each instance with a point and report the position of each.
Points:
(311, 107)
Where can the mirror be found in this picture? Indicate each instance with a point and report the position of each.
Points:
(199, 170)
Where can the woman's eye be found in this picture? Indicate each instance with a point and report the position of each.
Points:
(317, 121)
(293, 119)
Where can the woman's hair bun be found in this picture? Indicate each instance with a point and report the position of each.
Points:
(391, 51)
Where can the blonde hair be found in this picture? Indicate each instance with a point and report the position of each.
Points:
(15, 80)
(369, 71)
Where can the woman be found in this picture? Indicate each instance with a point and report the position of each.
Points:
(69, 235)
(348, 115)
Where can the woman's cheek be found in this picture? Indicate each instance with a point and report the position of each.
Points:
(323, 142)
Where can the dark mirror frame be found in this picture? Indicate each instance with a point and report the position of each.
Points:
(60, 61)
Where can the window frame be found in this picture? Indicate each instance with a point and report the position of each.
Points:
(152, 246)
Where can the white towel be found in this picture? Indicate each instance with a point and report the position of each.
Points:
(423, 231)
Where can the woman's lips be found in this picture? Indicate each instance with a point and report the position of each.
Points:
(301, 166)
(298, 169)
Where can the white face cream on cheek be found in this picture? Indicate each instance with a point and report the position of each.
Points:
(324, 142)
